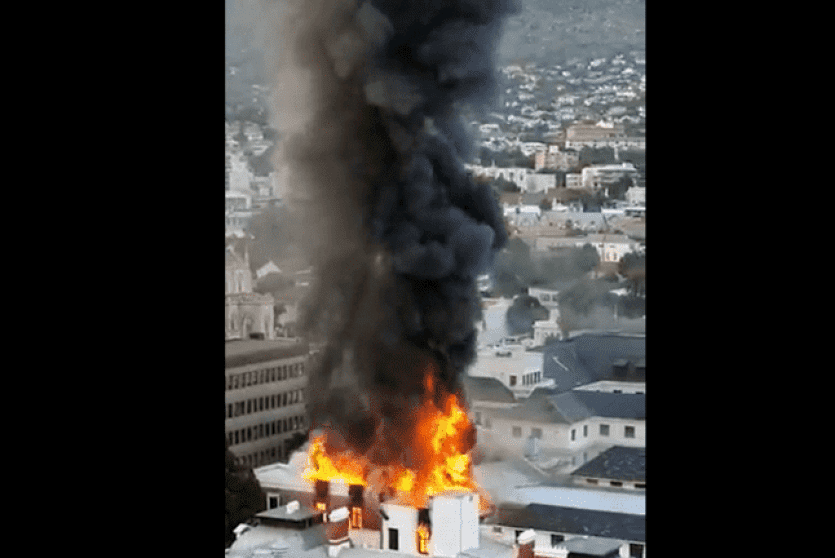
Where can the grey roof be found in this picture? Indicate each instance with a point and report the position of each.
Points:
(578, 405)
(307, 543)
(253, 351)
(575, 521)
(481, 388)
(574, 406)
(594, 546)
(616, 463)
(588, 358)
(534, 409)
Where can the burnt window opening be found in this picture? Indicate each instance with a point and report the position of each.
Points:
(636, 550)
(557, 539)
(393, 541)
(356, 518)
(423, 532)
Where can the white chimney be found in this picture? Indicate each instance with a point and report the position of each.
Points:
(337, 531)
(526, 540)
(454, 518)
(399, 528)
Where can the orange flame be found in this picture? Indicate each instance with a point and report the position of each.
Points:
(440, 443)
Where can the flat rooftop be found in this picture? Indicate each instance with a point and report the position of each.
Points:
(252, 351)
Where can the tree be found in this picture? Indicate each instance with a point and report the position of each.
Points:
(632, 266)
(244, 496)
(524, 311)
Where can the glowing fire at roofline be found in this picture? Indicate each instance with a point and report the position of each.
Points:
(440, 438)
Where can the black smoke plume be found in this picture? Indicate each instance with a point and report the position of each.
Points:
(365, 101)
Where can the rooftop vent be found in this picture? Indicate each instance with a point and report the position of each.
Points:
(620, 368)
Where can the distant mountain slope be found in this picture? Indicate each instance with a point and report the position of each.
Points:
(557, 31)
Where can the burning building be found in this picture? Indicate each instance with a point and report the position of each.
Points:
(366, 100)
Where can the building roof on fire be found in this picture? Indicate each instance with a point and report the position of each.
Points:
(575, 521)
(616, 463)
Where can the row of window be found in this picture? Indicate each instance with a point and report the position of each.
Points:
(628, 431)
(262, 457)
(265, 430)
(616, 483)
(264, 403)
(264, 376)
(527, 379)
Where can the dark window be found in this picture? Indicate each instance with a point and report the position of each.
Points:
(536, 433)
(636, 550)
(640, 485)
(573, 431)
(273, 502)
(615, 483)
(585, 430)
(517, 431)
(591, 481)
(556, 539)
(604, 429)
(513, 380)
(393, 541)
(516, 536)
(629, 431)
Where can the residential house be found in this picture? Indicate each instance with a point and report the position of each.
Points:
(603, 177)
(636, 195)
(515, 367)
(564, 531)
(611, 247)
(573, 425)
(618, 467)
(589, 358)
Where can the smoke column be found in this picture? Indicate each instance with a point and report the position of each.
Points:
(365, 101)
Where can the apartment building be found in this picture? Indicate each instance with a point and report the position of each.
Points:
(265, 399)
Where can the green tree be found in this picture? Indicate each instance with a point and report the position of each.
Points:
(524, 311)
(632, 266)
(244, 496)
